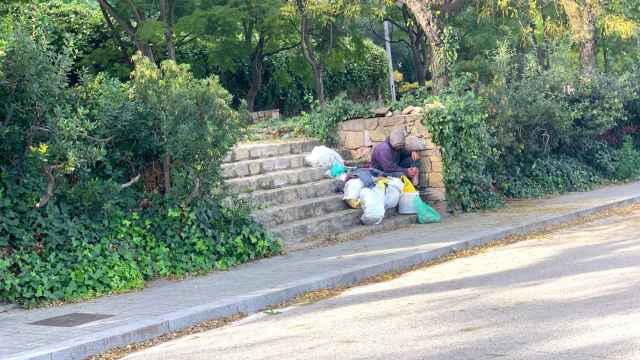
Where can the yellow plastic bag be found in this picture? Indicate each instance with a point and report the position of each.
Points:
(408, 185)
(353, 203)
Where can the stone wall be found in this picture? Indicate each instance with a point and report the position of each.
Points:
(259, 116)
(359, 136)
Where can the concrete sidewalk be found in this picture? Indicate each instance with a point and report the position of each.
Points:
(168, 306)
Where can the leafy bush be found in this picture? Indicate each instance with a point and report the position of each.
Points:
(123, 251)
(81, 214)
(546, 176)
(74, 27)
(543, 111)
(322, 121)
(413, 98)
(177, 107)
(626, 161)
(357, 68)
(48, 130)
(457, 120)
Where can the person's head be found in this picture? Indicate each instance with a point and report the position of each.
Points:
(397, 139)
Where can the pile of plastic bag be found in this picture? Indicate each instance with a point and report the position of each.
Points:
(388, 193)
(378, 195)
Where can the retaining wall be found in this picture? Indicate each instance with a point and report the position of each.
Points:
(359, 136)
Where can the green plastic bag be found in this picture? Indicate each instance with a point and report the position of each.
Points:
(338, 169)
(426, 214)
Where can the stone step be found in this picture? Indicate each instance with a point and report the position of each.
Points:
(316, 228)
(291, 194)
(338, 226)
(254, 151)
(391, 222)
(299, 210)
(274, 180)
(261, 166)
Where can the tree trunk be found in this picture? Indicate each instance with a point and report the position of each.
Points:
(419, 59)
(423, 11)
(589, 50)
(257, 66)
(582, 19)
(116, 36)
(605, 54)
(318, 75)
(417, 63)
(308, 51)
(166, 172)
(252, 93)
(426, 59)
(439, 75)
(146, 50)
(166, 13)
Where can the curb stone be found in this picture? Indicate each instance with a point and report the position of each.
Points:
(7, 307)
(250, 303)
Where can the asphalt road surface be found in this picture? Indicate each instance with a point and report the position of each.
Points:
(572, 294)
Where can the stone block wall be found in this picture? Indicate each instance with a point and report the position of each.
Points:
(259, 116)
(359, 136)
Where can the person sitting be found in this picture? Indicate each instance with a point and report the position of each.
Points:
(392, 159)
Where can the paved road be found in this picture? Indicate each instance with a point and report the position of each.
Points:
(573, 294)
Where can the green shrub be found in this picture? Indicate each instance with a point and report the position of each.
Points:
(73, 147)
(538, 111)
(457, 120)
(548, 176)
(415, 98)
(359, 70)
(191, 119)
(94, 257)
(74, 27)
(626, 161)
(322, 122)
(356, 67)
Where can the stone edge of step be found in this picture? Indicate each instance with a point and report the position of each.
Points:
(243, 184)
(325, 203)
(256, 167)
(263, 150)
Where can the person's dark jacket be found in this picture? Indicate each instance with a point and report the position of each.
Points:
(387, 159)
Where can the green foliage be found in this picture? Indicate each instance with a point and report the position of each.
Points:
(358, 68)
(73, 27)
(83, 147)
(457, 120)
(49, 131)
(547, 176)
(120, 252)
(177, 106)
(415, 98)
(322, 121)
(541, 111)
(626, 161)
(540, 130)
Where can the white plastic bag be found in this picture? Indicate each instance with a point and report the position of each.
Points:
(396, 183)
(373, 204)
(391, 197)
(407, 204)
(352, 189)
(323, 157)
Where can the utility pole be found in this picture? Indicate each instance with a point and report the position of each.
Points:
(387, 45)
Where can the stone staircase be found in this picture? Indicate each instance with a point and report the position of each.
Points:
(298, 204)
